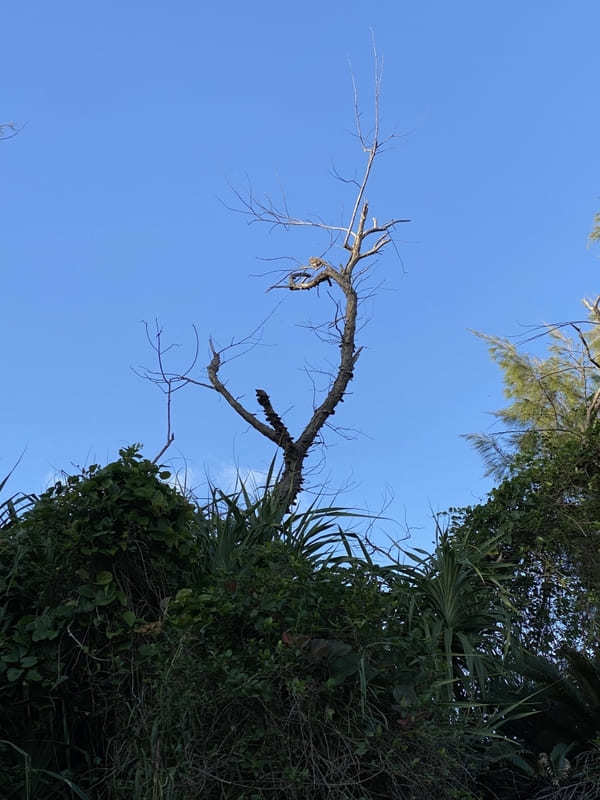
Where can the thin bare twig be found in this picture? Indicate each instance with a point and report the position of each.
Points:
(8, 130)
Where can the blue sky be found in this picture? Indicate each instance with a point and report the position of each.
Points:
(140, 116)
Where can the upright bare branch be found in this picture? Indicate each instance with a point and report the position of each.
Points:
(361, 240)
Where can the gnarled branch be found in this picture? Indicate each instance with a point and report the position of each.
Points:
(359, 241)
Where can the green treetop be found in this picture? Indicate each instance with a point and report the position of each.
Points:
(558, 394)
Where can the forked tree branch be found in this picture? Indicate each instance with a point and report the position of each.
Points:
(360, 241)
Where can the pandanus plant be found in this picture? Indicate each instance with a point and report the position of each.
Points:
(17, 503)
(232, 525)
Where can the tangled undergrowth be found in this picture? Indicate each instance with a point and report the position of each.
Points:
(151, 648)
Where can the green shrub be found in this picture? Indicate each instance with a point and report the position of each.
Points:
(152, 649)
(279, 681)
(80, 574)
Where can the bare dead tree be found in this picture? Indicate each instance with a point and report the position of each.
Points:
(362, 238)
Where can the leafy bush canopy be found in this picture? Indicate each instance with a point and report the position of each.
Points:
(150, 647)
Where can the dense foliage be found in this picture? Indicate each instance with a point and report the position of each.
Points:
(87, 565)
(152, 649)
(546, 518)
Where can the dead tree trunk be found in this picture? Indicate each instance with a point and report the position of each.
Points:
(359, 241)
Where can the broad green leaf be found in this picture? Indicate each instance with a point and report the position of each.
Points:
(103, 578)
(129, 617)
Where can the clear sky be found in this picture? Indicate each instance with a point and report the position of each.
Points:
(140, 115)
